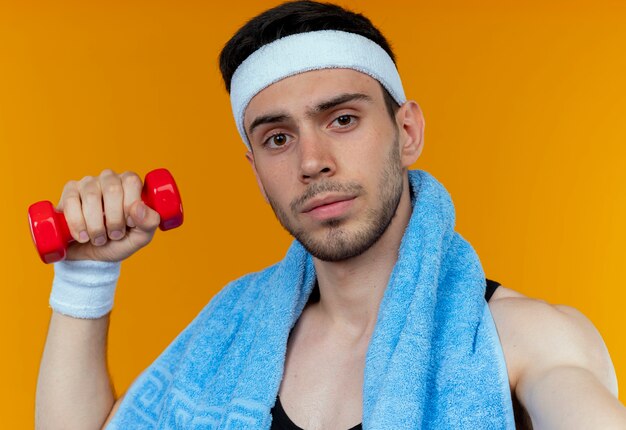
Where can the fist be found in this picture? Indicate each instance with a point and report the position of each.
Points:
(106, 217)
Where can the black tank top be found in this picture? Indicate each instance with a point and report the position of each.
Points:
(280, 420)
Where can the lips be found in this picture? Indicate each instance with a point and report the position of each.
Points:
(329, 207)
(319, 203)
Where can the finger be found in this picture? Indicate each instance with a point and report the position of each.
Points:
(91, 199)
(145, 218)
(113, 199)
(146, 221)
(132, 185)
(72, 210)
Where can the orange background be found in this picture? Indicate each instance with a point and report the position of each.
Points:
(525, 110)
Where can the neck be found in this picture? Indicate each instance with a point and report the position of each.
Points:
(351, 290)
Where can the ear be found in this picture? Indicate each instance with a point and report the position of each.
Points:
(410, 121)
(250, 157)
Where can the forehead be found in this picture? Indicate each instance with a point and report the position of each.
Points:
(302, 91)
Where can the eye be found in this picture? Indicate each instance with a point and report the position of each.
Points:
(276, 140)
(344, 120)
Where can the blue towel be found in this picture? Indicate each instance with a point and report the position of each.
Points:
(434, 360)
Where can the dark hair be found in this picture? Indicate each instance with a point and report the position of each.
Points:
(292, 18)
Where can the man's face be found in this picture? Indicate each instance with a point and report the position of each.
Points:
(327, 158)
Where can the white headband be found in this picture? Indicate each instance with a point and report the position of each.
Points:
(302, 52)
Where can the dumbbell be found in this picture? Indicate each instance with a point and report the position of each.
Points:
(51, 234)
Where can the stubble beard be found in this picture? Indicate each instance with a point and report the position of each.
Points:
(340, 243)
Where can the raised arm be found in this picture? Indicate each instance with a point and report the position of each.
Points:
(74, 390)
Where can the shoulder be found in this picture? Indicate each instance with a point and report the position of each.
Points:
(537, 336)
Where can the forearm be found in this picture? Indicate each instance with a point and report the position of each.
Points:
(572, 398)
(74, 389)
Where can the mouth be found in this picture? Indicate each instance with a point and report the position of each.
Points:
(328, 207)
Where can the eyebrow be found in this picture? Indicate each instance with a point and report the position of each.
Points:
(267, 119)
(336, 101)
(320, 107)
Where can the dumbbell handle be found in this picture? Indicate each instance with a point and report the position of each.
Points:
(51, 234)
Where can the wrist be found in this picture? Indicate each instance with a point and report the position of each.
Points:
(84, 288)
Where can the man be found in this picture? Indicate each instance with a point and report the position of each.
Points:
(372, 317)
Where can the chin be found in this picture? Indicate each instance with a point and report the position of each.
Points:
(338, 243)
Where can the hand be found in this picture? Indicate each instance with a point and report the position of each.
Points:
(104, 215)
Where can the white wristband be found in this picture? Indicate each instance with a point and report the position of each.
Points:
(84, 288)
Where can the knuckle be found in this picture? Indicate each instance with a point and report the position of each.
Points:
(71, 185)
(115, 223)
(74, 221)
(70, 191)
(107, 172)
(88, 183)
(131, 179)
(91, 195)
(112, 188)
(94, 223)
(86, 180)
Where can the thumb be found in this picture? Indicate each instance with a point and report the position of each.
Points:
(144, 217)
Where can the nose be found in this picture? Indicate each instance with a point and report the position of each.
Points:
(316, 157)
